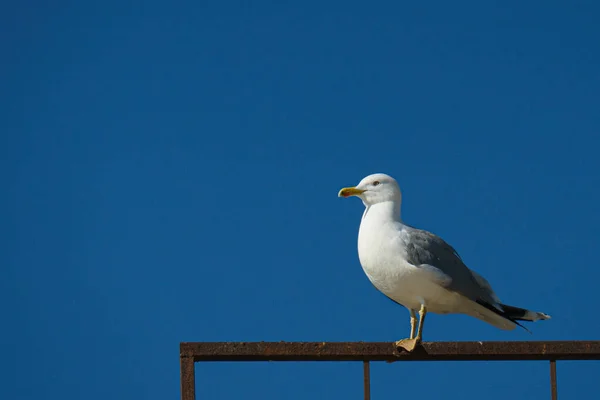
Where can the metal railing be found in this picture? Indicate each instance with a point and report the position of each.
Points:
(366, 352)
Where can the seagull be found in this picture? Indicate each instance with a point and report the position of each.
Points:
(418, 269)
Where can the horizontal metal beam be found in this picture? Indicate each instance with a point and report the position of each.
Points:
(385, 351)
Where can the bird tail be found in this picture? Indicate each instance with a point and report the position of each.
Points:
(489, 314)
(521, 314)
(505, 316)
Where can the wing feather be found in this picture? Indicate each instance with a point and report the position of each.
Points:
(429, 251)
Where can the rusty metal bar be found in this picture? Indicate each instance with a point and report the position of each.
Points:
(188, 384)
(553, 388)
(386, 351)
(367, 379)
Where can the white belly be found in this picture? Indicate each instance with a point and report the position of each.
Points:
(381, 249)
(408, 285)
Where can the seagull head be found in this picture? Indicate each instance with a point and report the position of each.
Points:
(373, 189)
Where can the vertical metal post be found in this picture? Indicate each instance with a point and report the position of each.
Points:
(188, 376)
(553, 380)
(367, 379)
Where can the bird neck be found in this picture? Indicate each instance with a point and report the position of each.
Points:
(387, 210)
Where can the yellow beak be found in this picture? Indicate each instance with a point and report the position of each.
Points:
(350, 191)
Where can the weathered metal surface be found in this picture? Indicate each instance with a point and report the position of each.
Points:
(385, 351)
(367, 379)
(381, 351)
(188, 384)
(553, 388)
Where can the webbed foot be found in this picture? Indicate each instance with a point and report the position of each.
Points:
(408, 344)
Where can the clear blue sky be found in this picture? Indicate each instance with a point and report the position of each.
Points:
(170, 173)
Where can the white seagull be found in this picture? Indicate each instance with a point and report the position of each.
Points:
(418, 269)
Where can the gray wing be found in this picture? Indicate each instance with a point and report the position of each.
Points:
(428, 251)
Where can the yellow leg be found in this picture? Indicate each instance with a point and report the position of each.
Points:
(410, 343)
(422, 314)
(413, 323)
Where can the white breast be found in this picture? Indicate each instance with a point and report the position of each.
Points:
(382, 257)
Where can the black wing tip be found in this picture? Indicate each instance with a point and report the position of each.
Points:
(513, 314)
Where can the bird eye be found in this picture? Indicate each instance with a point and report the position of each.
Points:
(376, 183)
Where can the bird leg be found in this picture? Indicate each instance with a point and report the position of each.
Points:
(422, 314)
(410, 344)
(413, 323)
